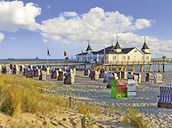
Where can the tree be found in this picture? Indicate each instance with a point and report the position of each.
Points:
(164, 57)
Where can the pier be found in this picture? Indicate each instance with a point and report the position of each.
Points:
(160, 64)
(59, 63)
(123, 65)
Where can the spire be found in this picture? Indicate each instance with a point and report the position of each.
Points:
(89, 47)
(145, 45)
(117, 46)
(112, 43)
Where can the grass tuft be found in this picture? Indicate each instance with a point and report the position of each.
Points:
(26, 95)
(135, 119)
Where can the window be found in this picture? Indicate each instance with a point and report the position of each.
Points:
(114, 57)
(124, 57)
(128, 57)
(147, 57)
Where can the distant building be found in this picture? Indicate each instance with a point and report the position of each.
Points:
(115, 54)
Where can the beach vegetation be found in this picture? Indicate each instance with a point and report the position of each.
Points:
(26, 95)
(135, 119)
(88, 121)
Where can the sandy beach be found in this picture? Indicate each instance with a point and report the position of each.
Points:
(96, 91)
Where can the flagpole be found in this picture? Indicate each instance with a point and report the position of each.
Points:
(104, 58)
(47, 55)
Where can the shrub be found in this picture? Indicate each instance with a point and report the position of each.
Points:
(88, 121)
(84, 108)
(11, 103)
(135, 118)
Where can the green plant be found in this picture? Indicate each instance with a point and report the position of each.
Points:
(88, 121)
(84, 108)
(26, 95)
(135, 118)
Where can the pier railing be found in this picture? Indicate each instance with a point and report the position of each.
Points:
(157, 62)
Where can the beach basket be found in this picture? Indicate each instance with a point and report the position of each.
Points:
(29, 73)
(131, 85)
(69, 79)
(60, 77)
(158, 78)
(43, 75)
(53, 74)
(119, 89)
(109, 81)
(102, 72)
(165, 98)
(124, 75)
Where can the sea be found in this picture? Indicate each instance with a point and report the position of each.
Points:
(9, 60)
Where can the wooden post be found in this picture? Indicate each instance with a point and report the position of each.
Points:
(159, 70)
(83, 125)
(142, 68)
(133, 68)
(164, 68)
(122, 68)
(150, 68)
(125, 68)
(70, 102)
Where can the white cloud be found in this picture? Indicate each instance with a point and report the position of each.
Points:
(69, 14)
(101, 27)
(142, 23)
(15, 15)
(96, 25)
(1, 37)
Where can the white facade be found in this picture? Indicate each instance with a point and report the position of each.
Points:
(134, 55)
(127, 55)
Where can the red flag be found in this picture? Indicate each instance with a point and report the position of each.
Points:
(65, 54)
(48, 52)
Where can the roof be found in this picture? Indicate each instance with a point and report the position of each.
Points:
(145, 46)
(82, 53)
(89, 48)
(85, 53)
(117, 46)
(109, 50)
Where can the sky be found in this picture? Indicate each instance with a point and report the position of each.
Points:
(29, 27)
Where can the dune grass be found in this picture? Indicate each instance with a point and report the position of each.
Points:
(135, 119)
(26, 95)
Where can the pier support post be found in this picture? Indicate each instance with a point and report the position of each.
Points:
(142, 68)
(133, 68)
(164, 67)
(159, 70)
(107, 68)
(122, 68)
(150, 68)
(125, 68)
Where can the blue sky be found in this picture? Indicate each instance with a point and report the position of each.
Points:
(22, 42)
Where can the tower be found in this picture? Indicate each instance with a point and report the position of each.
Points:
(89, 49)
(117, 48)
(145, 48)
